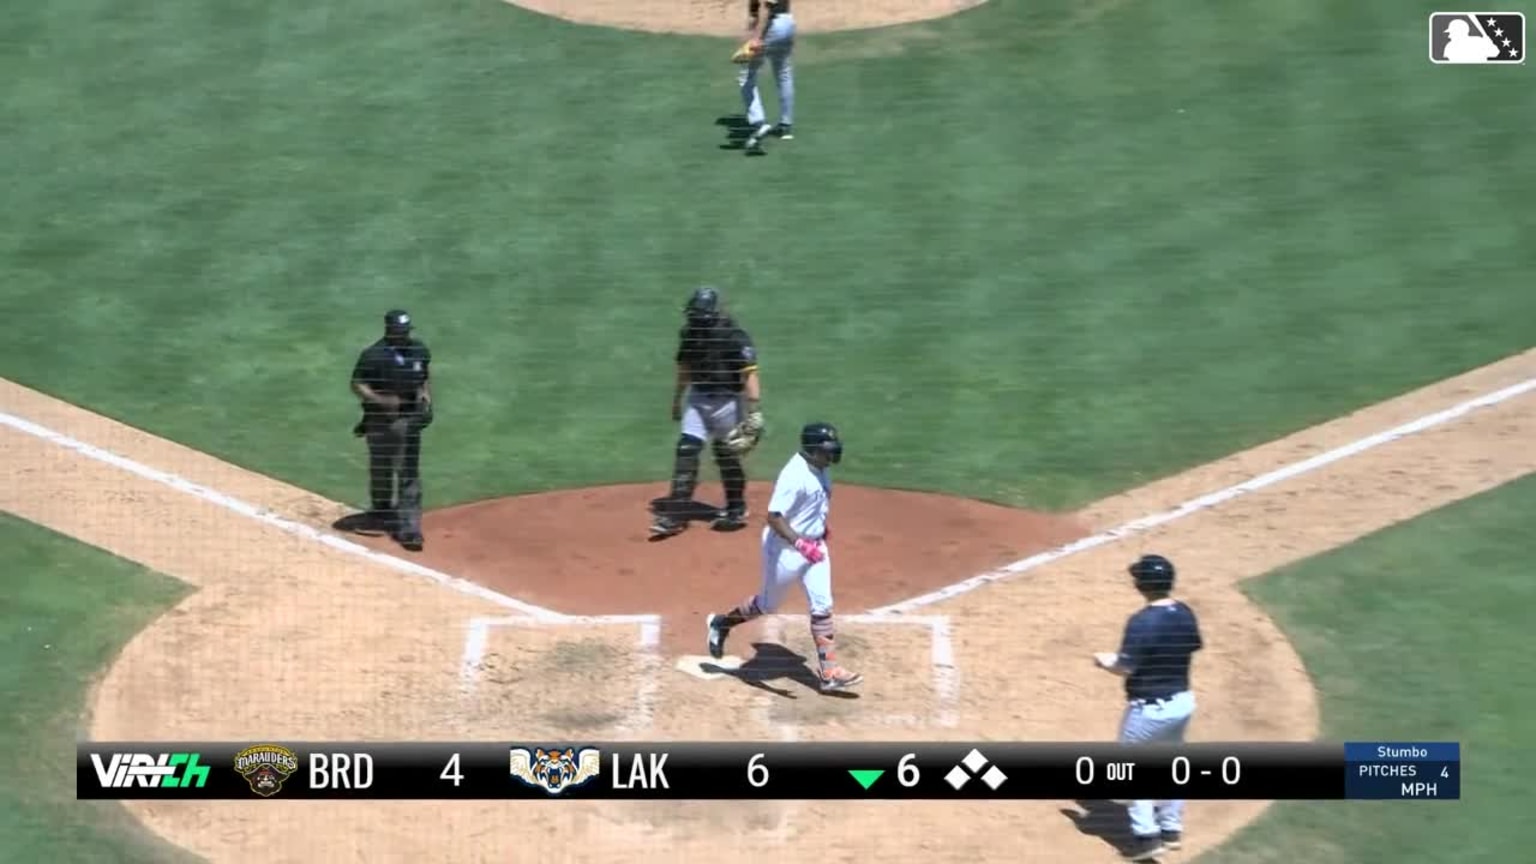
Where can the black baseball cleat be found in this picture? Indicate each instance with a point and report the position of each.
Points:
(1145, 848)
(730, 520)
(412, 542)
(1172, 840)
(663, 527)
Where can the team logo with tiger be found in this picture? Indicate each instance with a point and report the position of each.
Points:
(555, 771)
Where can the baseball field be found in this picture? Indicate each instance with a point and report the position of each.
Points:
(1238, 283)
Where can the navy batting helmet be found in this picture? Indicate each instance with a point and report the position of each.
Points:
(822, 438)
(1153, 573)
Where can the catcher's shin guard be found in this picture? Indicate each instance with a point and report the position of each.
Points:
(733, 476)
(685, 468)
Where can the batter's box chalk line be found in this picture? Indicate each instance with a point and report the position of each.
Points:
(641, 715)
(945, 678)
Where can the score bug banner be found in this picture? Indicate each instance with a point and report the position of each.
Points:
(937, 771)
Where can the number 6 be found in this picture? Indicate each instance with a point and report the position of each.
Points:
(757, 772)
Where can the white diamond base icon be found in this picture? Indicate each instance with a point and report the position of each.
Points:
(993, 778)
(956, 778)
(974, 761)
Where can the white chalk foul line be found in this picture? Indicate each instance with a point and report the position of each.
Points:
(299, 529)
(1205, 502)
(946, 684)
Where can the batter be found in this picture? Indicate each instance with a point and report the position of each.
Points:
(795, 550)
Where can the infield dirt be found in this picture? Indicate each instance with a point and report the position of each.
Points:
(292, 638)
(729, 17)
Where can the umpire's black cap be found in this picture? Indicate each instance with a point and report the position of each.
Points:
(397, 320)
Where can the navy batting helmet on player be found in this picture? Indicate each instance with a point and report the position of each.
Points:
(822, 438)
(1153, 573)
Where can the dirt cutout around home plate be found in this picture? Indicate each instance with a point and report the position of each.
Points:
(297, 633)
(729, 17)
(587, 551)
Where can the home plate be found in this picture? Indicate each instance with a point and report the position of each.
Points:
(708, 668)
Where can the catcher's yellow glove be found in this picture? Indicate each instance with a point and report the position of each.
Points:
(745, 437)
(749, 49)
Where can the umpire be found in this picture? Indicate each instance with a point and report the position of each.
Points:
(1155, 654)
(392, 377)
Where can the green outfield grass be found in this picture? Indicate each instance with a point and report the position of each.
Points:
(1411, 635)
(68, 609)
(1022, 266)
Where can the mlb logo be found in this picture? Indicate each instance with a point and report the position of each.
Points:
(1477, 37)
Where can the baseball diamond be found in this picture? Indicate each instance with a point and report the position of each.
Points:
(1032, 318)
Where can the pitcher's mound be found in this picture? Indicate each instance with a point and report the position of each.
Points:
(728, 17)
(588, 551)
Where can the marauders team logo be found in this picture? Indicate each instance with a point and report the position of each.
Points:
(266, 767)
(555, 771)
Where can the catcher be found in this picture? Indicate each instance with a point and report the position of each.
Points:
(716, 399)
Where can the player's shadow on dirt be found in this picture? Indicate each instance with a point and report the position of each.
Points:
(1105, 820)
(688, 511)
(771, 662)
(360, 523)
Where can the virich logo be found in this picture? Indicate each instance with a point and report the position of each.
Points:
(150, 771)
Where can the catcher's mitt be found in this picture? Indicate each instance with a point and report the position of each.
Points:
(749, 49)
(744, 438)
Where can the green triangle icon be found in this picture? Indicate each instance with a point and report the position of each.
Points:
(866, 778)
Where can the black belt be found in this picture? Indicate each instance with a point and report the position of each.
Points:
(1163, 698)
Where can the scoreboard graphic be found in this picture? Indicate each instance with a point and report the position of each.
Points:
(939, 771)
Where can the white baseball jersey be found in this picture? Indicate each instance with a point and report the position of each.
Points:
(803, 496)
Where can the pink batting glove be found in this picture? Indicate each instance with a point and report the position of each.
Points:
(810, 549)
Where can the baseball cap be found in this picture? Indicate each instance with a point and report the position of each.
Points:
(397, 319)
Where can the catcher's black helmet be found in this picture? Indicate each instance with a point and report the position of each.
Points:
(703, 307)
(822, 438)
(1153, 573)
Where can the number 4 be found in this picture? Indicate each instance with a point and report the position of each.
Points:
(1445, 771)
(452, 766)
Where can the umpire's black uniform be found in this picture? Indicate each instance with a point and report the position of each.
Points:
(393, 379)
